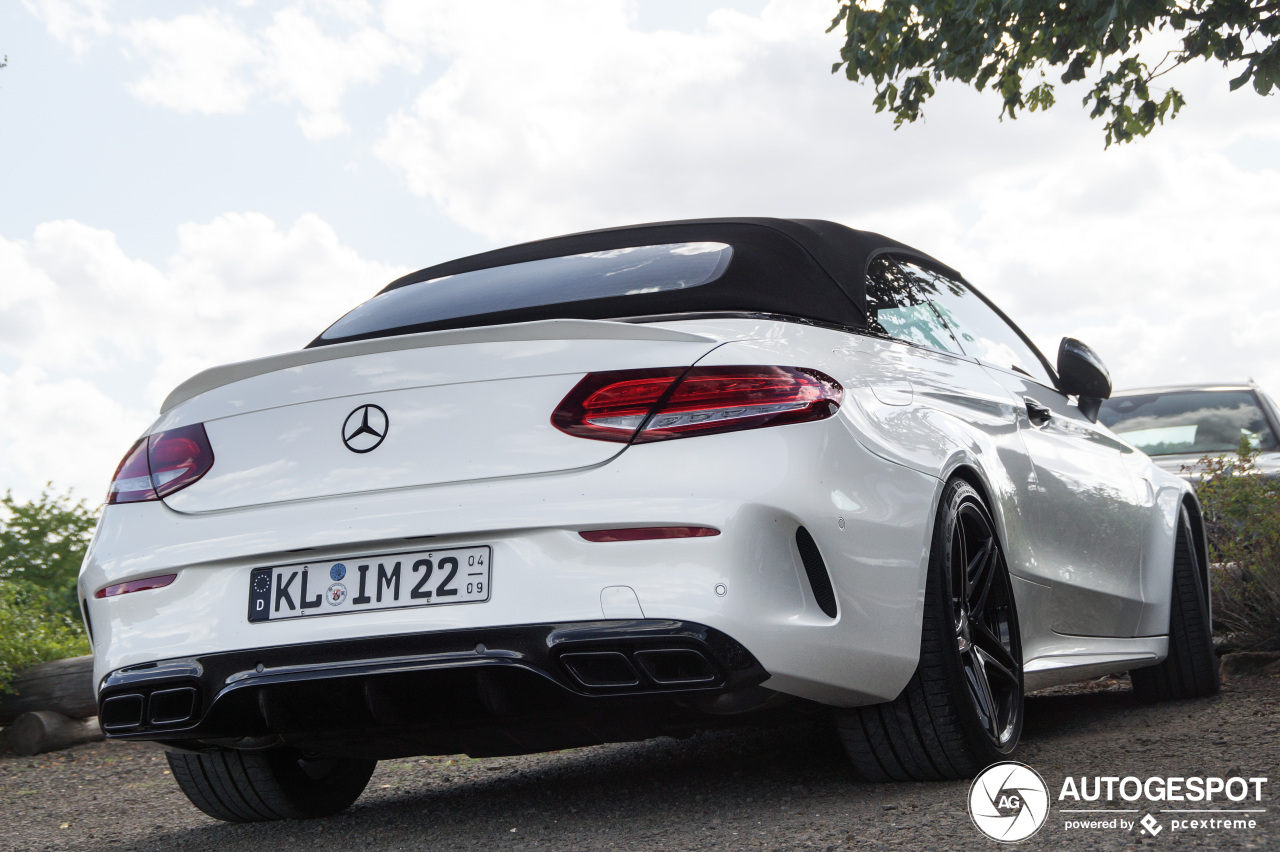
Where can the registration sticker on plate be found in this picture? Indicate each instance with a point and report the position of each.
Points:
(426, 578)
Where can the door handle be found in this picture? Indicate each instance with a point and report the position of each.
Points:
(1038, 414)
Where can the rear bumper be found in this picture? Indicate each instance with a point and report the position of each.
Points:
(869, 520)
(443, 692)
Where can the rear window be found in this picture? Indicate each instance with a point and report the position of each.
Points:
(557, 280)
(1195, 422)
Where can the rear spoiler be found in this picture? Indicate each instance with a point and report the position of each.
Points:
(561, 329)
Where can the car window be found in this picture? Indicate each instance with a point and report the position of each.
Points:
(982, 332)
(557, 280)
(897, 307)
(1271, 407)
(1205, 421)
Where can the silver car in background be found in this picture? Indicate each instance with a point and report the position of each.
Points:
(1178, 425)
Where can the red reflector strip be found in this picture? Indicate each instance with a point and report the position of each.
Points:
(136, 586)
(648, 533)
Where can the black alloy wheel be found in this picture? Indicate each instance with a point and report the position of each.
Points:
(962, 710)
(986, 631)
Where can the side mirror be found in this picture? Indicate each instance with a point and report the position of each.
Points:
(1081, 373)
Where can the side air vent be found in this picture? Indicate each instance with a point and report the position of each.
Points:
(88, 624)
(816, 569)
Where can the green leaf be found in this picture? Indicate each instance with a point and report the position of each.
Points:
(978, 42)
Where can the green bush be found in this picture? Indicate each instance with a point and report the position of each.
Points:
(1242, 523)
(43, 541)
(32, 630)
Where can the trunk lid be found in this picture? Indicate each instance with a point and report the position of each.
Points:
(420, 410)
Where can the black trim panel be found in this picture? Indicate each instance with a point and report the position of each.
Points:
(471, 677)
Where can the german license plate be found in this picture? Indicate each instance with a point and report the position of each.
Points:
(426, 578)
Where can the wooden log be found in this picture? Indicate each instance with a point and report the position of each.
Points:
(44, 730)
(63, 686)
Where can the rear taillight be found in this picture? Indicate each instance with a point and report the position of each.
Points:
(157, 466)
(612, 406)
(132, 481)
(658, 405)
(178, 457)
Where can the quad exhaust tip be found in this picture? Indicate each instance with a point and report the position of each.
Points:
(600, 669)
(159, 708)
(656, 666)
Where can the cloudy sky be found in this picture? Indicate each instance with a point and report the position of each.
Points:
(186, 184)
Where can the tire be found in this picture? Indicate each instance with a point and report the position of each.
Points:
(259, 786)
(1191, 669)
(962, 709)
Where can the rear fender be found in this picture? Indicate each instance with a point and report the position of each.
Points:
(1169, 493)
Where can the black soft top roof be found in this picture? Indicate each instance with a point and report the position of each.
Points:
(806, 268)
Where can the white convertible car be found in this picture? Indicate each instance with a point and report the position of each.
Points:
(632, 483)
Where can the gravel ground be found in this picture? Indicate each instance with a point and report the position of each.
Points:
(783, 788)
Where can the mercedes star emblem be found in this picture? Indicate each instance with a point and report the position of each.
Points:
(365, 428)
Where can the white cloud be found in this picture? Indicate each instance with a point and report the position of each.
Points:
(91, 340)
(310, 54)
(316, 69)
(68, 432)
(87, 285)
(76, 23)
(195, 63)
(1159, 258)
(594, 121)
